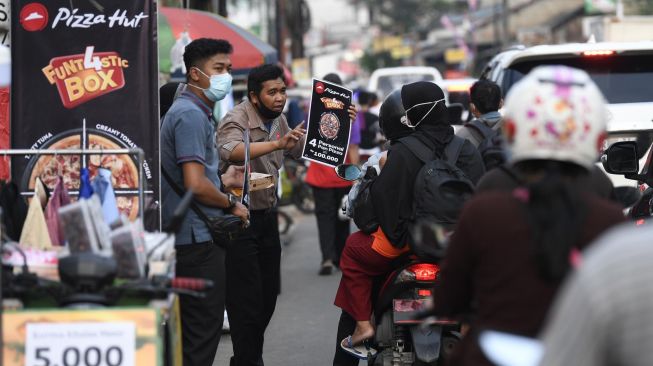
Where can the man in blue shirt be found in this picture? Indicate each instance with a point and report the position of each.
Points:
(188, 156)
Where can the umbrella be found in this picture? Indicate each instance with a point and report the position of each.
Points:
(249, 50)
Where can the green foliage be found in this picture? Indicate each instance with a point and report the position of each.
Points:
(406, 16)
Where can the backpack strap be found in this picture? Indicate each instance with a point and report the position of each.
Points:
(453, 149)
(479, 128)
(418, 148)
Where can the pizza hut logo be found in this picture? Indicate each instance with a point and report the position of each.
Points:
(329, 126)
(73, 18)
(34, 17)
(332, 103)
(84, 77)
(319, 87)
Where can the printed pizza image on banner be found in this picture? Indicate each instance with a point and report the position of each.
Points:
(327, 136)
(87, 78)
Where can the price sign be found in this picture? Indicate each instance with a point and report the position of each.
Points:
(80, 344)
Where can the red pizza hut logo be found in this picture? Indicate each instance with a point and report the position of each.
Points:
(33, 17)
(332, 103)
(84, 77)
(329, 126)
(319, 87)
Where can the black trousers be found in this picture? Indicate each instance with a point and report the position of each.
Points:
(333, 232)
(201, 318)
(253, 283)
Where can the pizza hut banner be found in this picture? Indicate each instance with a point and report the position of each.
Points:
(85, 75)
(327, 136)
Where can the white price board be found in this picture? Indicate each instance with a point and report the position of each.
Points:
(80, 344)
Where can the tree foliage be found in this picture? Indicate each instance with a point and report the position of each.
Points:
(406, 16)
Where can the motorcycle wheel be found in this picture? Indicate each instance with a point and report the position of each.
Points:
(285, 221)
(302, 197)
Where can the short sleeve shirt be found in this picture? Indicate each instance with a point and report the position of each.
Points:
(187, 135)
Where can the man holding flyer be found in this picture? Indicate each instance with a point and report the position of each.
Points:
(253, 260)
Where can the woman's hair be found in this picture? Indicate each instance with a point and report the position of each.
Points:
(556, 212)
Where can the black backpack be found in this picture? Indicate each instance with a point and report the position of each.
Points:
(441, 188)
(490, 146)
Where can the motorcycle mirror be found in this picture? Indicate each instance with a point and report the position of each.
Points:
(179, 213)
(621, 158)
(348, 172)
(510, 350)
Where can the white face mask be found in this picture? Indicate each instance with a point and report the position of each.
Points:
(405, 121)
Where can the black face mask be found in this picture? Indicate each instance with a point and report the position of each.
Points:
(266, 112)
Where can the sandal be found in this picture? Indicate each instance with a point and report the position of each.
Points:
(361, 351)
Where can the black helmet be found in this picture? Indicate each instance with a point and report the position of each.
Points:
(392, 110)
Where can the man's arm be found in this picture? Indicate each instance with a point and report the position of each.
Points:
(258, 149)
(206, 193)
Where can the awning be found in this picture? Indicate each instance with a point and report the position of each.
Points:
(249, 50)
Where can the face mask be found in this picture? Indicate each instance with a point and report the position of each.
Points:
(405, 121)
(266, 112)
(220, 85)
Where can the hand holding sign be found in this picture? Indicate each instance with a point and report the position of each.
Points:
(352, 113)
(291, 138)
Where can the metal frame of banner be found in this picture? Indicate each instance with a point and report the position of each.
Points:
(138, 152)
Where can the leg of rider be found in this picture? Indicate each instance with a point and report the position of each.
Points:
(342, 228)
(346, 327)
(325, 222)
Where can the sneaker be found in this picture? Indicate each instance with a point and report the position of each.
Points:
(327, 268)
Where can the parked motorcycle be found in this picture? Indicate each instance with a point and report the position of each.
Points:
(404, 335)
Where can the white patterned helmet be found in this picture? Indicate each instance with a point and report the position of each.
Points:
(555, 113)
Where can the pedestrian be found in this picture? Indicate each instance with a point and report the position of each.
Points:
(602, 316)
(190, 162)
(419, 107)
(328, 192)
(511, 249)
(253, 259)
(485, 102)
(369, 126)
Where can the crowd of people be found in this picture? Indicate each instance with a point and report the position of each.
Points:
(539, 201)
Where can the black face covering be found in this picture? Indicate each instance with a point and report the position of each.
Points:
(267, 113)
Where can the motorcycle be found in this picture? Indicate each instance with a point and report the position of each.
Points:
(90, 301)
(404, 334)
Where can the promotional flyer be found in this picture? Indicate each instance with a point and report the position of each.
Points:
(87, 78)
(327, 136)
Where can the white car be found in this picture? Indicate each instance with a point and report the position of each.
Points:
(623, 71)
(383, 81)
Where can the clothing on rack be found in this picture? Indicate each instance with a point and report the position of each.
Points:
(35, 231)
(103, 188)
(58, 199)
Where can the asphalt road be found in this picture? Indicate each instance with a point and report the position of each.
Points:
(303, 329)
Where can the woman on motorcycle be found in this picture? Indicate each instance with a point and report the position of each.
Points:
(511, 250)
(417, 109)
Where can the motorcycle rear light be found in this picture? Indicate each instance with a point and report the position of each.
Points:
(424, 271)
(640, 222)
(425, 293)
(599, 53)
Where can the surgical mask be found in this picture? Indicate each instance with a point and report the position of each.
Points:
(405, 121)
(267, 113)
(220, 85)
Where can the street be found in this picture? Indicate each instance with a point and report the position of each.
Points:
(303, 328)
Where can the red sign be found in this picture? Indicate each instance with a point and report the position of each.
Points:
(84, 77)
(34, 17)
(319, 87)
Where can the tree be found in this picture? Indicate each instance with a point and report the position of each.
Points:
(409, 16)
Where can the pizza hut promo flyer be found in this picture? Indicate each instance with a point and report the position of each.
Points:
(327, 137)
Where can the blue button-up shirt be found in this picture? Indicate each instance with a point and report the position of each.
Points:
(188, 135)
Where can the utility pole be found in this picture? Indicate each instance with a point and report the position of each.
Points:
(506, 26)
(281, 29)
(222, 8)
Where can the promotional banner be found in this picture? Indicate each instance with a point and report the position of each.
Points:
(327, 136)
(85, 75)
